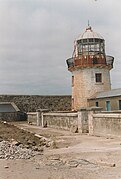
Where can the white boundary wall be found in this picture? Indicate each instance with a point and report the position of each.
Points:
(105, 124)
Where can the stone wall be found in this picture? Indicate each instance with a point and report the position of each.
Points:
(105, 124)
(32, 118)
(83, 126)
(30, 103)
(90, 120)
(8, 116)
(13, 116)
(67, 121)
(84, 85)
(73, 121)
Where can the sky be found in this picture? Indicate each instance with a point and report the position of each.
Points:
(37, 36)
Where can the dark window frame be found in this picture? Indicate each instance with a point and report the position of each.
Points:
(98, 77)
(72, 81)
(97, 104)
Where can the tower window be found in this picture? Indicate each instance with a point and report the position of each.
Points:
(98, 77)
(84, 40)
(91, 40)
(72, 81)
(97, 104)
(97, 40)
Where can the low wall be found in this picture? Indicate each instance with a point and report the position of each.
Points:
(80, 121)
(67, 121)
(107, 124)
(91, 121)
(32, 118)
(8, 116)
(13, 116)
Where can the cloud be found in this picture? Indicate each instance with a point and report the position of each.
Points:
(36, 37)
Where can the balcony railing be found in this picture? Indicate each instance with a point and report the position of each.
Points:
(70, 62)
(81, 62)
(109, 60)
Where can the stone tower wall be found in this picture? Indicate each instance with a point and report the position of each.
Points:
(84, 85)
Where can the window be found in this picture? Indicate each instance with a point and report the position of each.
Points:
(97, 104)
(98, 77)
(84, 40)
(107, 105)
(97, 40)
(72, 81)
(91, 40)
(119, 104)
(79, 48)
(85, 48)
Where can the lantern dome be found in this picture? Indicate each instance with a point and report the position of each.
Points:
(89, 33)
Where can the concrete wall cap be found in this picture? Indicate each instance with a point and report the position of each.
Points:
(93, 108)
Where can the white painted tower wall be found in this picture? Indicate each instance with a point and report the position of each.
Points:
(85, 86)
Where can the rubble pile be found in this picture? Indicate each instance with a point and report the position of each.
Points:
(9, 150)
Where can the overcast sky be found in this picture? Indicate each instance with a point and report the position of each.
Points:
(36, 38)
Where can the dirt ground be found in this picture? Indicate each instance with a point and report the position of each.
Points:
(74, 156)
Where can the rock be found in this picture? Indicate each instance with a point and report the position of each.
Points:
(33, 143)
(6, 166)
(55, 163)
(74, 129)
(72, 163)
(40, 149)
(11, 151)
(53, 145)
(27, 146)
(35, 148)
(106, 164)
(15, 143)
(54, 157)
(29, 142)
(1, 139)
(83, 162)
(37, 167)
(49, 143)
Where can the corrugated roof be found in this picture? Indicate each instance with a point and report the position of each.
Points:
(106, 94)
(8, 107)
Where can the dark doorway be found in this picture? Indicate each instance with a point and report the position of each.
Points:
(119, 104)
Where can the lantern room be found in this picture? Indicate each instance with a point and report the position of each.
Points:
(89, 51)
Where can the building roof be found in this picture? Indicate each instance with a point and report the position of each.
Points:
(106, 94)
(8, 107)
(89, 33)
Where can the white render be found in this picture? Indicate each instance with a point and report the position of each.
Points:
(89, 33)
(85, 86)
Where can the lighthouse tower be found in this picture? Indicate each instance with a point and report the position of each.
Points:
(90, 68)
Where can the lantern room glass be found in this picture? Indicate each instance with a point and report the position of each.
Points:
(91, 46)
